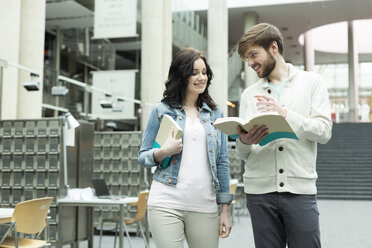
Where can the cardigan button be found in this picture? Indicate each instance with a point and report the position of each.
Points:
(281, 184)
(281, 148)
(269, 91)
(281, 171)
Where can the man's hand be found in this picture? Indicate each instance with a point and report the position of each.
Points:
(268, 104)
(254, 136)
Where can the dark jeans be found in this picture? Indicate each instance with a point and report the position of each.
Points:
(284, 218)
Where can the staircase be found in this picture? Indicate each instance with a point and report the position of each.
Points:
(344, 164)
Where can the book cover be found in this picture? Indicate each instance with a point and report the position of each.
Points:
(277, 125)
(166, 124)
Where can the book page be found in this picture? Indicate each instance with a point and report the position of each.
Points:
(166, 124)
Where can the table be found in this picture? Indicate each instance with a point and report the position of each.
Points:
(95, 202)
(6, 215)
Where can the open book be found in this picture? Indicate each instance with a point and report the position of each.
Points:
(277, 125)
(165, 126)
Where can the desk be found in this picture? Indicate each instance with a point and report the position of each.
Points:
(6, 215)
(98, 203)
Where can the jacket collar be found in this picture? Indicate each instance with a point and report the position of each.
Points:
(206, 107)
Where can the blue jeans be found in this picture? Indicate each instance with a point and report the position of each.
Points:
(284, 218)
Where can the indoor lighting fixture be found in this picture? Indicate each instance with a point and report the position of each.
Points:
(34, 84)
(118, 106)
(69, 123)
(111, 124)
(106, 103)
(230, 104)
(59, 90)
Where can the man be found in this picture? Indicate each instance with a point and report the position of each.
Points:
(279, 178)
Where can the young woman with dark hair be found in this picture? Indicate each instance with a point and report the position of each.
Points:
(184, 196)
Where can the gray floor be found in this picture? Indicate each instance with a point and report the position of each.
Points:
(344, 224)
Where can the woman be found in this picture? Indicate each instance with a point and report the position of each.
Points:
(184, 196)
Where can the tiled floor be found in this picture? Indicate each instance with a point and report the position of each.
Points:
(344, 224)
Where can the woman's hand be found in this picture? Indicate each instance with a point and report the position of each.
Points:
(225, 222)
(171, 146)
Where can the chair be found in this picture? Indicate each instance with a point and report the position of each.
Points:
(29, 217)
(141, 212)
(233, 185)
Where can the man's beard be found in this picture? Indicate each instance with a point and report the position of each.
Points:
(268, 65)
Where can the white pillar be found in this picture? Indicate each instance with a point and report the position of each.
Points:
(218, 51)
(353, 91)
(10, 11)
(309, 55)
(154, 52)
(250, 76)
(31, 55)
(167, 38)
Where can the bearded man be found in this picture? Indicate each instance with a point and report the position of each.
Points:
(280, 177)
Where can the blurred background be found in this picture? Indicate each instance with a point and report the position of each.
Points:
(104, 62)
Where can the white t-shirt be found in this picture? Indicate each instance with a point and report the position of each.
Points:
(193, 191)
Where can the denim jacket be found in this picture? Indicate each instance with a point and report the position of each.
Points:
(216, 141)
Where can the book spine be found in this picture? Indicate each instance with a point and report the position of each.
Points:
(166, 161)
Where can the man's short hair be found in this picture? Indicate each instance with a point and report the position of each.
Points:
(262, 34)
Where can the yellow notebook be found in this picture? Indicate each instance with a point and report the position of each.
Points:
(166, 124)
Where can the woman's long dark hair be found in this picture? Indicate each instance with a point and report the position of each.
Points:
(181, 69)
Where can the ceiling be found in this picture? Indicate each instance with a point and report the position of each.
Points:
(295, 19)
(291, 19)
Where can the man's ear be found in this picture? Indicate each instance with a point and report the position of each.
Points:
(274, 46)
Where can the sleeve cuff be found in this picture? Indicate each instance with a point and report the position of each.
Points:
(241, 147)
(149, 159)
(224, 198)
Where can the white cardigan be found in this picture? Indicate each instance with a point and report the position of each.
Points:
(287, 165)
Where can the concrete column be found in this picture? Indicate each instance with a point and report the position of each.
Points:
(167, 38)
(250, 76)
(353, 91)
(31, 55)
(57, 51)
(3, 64)
(154, 52)
(10, 12)
(309, 55)
(218, 51)
(86, 104)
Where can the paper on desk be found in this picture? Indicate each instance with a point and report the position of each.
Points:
(80, 194)
(234, 181)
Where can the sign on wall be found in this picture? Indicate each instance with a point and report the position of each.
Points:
(120, 83)
(115, 18)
